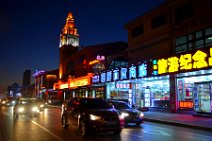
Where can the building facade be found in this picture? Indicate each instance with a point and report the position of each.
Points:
(43, 86)
(175, 40)
(77, 65)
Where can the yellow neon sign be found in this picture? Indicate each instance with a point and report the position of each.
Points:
(82, 81)
(93, 62)
(198, 60)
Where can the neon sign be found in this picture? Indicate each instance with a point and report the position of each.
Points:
(123, 73)
(142, 70)
(115, 74)
(132, 72)
(109, 76)
(95, 79)
(189, 61)
(103, 77)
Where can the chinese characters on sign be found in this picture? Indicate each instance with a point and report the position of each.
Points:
(201, 59)
(197, 60)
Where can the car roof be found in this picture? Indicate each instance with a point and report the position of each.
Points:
(117, 101)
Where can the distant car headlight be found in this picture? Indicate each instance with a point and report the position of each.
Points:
(123, 115)
(141, 115)
(94, 117)
(21, 109)
(35, 109)
(41, 105)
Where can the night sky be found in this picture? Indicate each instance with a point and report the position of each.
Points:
(30, 30)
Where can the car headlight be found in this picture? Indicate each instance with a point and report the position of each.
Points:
(94, 117)
(41, 105)
(123, 115)
(35, 109)
(141, 115)
(21, 109)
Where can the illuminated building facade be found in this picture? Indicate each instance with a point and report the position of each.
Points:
(77, 64)
(174, 40)
(44, 82)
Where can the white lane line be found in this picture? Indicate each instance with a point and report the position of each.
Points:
(48, 131)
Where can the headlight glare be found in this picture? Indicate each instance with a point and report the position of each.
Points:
(21, 109)
(142, 115)
(35, 109)
(123, 115)
(94, 117)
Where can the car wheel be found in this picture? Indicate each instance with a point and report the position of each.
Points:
(64, 122)
(117, 132)
(138, 124)
(83, 129)
(15, 115)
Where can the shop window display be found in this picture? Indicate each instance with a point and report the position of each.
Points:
(202, 97)
(194, 92)
(154, 94)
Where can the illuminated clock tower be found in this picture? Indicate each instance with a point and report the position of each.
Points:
(69, 44)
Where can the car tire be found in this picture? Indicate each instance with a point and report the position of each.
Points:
(138, 124)
(117, 132)
(15, 116)
(64, 122)
(83, 128)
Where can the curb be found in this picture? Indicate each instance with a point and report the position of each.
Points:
(178, 124)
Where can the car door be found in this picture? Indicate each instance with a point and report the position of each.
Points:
(73, 112)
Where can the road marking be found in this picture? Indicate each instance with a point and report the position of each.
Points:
(48, 131)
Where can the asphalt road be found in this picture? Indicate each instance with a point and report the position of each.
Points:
(46, 127)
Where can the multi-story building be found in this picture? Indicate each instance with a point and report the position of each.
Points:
(77, 65)
(169, 52)
(44, 82)
(26, 78)
(175, 41)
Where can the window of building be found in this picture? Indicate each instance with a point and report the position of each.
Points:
(137, 31)
(184, 12)
(195, 40)
(159, 20)
(198, 44)
(118, 62)
(208, 31)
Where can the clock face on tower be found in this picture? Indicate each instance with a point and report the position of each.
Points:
(72, 41)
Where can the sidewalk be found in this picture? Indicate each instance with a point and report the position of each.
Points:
(186, 120)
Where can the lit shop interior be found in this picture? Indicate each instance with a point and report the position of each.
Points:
(194, 90)
(145, 92)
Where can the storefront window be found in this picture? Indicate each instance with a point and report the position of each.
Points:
(188, 90)
(202, 97)
(154, 93)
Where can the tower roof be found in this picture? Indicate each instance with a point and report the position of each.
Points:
(69, 27)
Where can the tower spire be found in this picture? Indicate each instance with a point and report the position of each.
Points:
(69, 27)
(69, 35)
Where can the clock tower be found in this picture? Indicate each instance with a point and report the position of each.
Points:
(69, 45)
(69, 34)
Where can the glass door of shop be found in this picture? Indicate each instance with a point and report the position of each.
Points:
(202, 97)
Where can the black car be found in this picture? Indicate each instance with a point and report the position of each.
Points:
(90, 114)
(25, 106)
(128, 114)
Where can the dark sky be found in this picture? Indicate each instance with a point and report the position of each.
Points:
(30, 30)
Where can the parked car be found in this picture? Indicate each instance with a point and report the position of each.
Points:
(25, 106)
(129, 114)
(90, 114)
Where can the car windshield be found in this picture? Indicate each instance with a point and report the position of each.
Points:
(121, 105)
(94, 104)
(25, 102)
